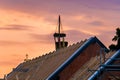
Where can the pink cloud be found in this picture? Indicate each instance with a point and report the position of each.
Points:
(15, 27)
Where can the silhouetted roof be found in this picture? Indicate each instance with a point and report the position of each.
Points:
(51, 64)
(75, 54)
(42, 66)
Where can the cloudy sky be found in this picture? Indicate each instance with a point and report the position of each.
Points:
(27, 26)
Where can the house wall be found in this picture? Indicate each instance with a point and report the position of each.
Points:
(91, 51)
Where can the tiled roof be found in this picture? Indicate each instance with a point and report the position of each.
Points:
(74, 55)
(41, 67)
(45, 66)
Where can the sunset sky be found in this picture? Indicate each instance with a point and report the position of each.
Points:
(27, 26)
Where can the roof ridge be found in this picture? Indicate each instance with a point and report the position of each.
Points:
(53, 53)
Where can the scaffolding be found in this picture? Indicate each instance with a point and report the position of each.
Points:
(109, 67)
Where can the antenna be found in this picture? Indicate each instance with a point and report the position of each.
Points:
(59, 37)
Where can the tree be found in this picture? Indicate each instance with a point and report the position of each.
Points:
(116, 38)
(112, 47)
